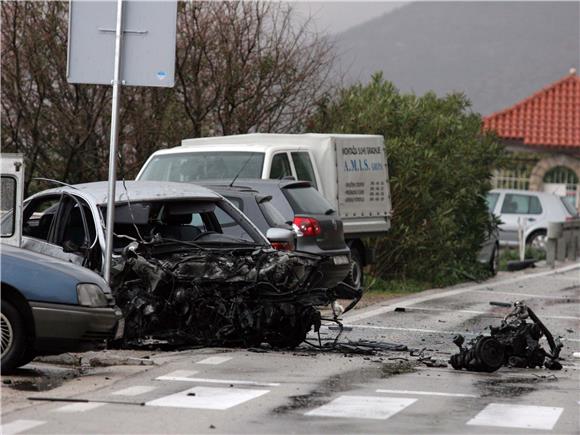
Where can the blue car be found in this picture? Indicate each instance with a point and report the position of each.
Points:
(50, 306)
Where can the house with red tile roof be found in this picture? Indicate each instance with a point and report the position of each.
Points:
(542, 132)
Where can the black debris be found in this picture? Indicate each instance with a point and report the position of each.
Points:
(515, 343)
(500, 304)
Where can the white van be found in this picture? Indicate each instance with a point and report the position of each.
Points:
(349, 170)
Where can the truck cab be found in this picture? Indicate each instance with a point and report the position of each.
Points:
(350, 171)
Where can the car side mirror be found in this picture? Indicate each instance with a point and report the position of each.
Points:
(281, 238)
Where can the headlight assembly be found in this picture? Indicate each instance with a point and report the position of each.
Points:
(91, 295)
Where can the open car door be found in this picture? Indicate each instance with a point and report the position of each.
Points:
(11, 198)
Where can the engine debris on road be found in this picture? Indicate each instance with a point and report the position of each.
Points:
(515, 343)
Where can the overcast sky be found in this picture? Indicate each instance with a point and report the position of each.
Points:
(334, 17)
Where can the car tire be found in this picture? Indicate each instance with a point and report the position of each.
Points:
(13, 347)
(494, 260)
(355, 277)
(538, 240)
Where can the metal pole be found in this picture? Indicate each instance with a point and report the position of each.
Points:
(113, 147)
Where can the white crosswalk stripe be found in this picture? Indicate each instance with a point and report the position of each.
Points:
(215, 360)
(18, 426)
(371, 407)
(208, 398)
(79, 407)
(135, 390)
(517, 416)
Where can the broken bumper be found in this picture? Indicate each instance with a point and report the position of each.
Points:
(65, 328)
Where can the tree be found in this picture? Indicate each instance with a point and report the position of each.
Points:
(240, 67)
(440, 167)
(245, 66)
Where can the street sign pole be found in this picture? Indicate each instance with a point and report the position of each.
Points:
(114, 140)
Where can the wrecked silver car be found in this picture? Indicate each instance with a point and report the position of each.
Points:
(188, 267)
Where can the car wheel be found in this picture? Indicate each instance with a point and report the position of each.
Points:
(355, 277)
(494, 261)
(13, 345)
(538, 240)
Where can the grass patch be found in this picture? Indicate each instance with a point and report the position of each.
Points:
(507, 254)
(396, 286)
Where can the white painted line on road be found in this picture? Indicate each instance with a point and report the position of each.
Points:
(427, 331)
(208, 398)
(79, 407)
(425, 298)
(18, 426)
(426, 393)
(525, 295)
(180, 374)
(570, 278)
(486, 312)
(215, 360)
(136, 390)
(376, 408)
(217, 381)
(517, 416)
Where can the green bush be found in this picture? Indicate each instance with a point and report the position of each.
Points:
(439, 168)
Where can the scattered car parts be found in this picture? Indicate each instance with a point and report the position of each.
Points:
(515, 343)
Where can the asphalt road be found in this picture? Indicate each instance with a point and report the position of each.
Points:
(309, 391)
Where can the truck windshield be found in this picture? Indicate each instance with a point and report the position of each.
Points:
(203, 165)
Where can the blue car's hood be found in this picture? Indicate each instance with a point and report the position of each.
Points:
(12, 257)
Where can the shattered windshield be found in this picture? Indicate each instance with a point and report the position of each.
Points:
(204, 166)
(194, 222)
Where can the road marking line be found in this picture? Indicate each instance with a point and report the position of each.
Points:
(208, 398)
(427, 331)
(79, 407)
(18, 426)
(425, 298)
(217, 381)
(376, 408)
(486, 312)
(517, 416)
(180, 374)
(570, 278)
(528, 295)
(134, 391)
(427, 393)
(215, 360)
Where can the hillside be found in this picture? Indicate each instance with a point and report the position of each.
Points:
(495, 52)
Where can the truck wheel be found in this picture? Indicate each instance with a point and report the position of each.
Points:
(13, 345)
(355, 277)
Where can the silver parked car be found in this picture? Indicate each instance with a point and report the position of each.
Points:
(534, 209)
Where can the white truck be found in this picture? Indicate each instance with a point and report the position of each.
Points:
(349, 170)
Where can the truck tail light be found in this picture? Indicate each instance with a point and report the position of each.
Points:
(306, 226)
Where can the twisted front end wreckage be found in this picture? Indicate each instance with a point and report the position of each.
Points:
(209, 296)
